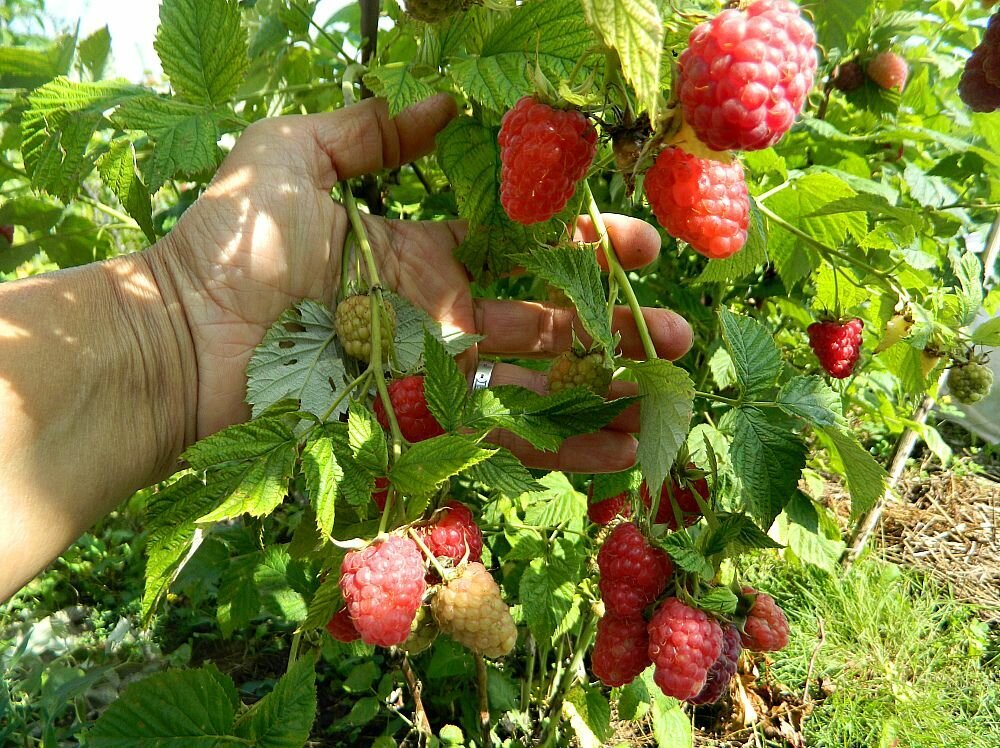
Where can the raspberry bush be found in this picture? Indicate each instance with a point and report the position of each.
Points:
(838, 203)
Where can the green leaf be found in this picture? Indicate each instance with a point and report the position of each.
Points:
(987, 333)
(767, 456)
(559, 502)
(606, 485)
(547, 34)
(548, 587)
(634, 29)
(238, 598)
(719, 600)
(589, 715)
(681, 549)
(839, 23)
(117, 170)
(755, 356)
(576, 272)
(744, 262)
(203, 49)
(94, 51)
(322, 475)
(735, 534)
(298, 359)
(174, 708)
(327, 600)
(263, 485)
(866, 479)
(29, 68)
(504, 473)
(244, 441)
(969, 272)
(276, 578)
(283, 718)
(671, 727)
(664, 415)
(186, 136)
(76, 241)
(366, 439)
(811, 398)
(411, 325)
(57, 129)
(170, 519)
(396, 83)
(31, 212)
(811, 535)
(444, 386)
(427, 464)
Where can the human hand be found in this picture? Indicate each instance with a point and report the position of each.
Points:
(267, 234)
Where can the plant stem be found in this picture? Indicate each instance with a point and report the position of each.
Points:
(555, 708)
(347, 391)
(618, 272)
(421, 722)
(482, 686)
(529, 674)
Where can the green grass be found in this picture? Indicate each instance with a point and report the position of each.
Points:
(908, 663)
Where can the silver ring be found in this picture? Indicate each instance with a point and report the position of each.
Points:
(483, 375)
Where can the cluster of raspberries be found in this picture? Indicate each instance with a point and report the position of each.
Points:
(683, 487)
(694, 654)
(387, 586)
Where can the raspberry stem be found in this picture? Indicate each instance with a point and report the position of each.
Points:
(583, 643)
(426, 551)
(618, 272)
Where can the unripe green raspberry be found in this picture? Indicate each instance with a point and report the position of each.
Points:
(432, 11)
(423, 632)
(471, 611)
(353, 321)
(970, 382)
(572, 369)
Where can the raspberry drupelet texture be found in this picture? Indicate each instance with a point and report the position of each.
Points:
(544, 152)
(837, 345)
(684, 643)
(353, 322)
(746, 74)
(723, 669)
(633, 573)
(454, 534)
(621, 650)
(850, 76)
(766, 628)
(588, 371)
(888, 70)
(970, 382)
(342, 628)
(383, 586)
(471, 611)
(432, 11)
(979, 86)
(702, 201)
(603, 511)
(416, 422)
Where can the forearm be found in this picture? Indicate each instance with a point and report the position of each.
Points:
(96, 401)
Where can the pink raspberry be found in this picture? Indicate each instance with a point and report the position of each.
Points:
(603, 511)
(888, 70)
(454, 534)
(837, 345)
(633, 573)
(621, 650)
(684, 643)
(342, 628)
(699, 200)
(746, 74)
(383, 586)
(416, 422)
(766, 628)
(544, 152)
(723, 669)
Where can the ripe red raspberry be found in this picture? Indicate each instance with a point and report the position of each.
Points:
(633, 573)
(850, 77)
(454, 534)
(383, 585)
(979, 87)
(407, 397)
(544, 152)
(341, 627)
(603, 511)
(588, 370)
(746, 74)
(766, 628)
(471, 611)
(381, 493)
(353, 322)
(702, 201)
(684, 643)
(837, 345)
(7, 232)
(888, 70)
(723, 669)
(683, 489)
(621, 650)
